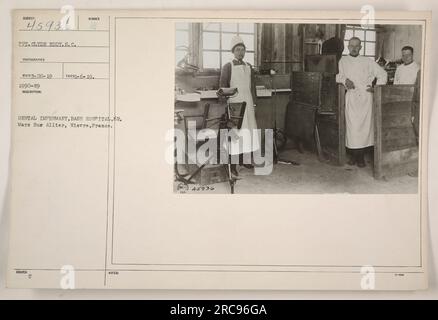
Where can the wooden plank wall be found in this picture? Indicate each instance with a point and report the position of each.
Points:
(395, 147)
(282, 47)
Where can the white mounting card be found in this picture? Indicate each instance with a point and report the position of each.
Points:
(94, 200)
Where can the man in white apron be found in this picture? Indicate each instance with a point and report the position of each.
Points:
(407, 72)
(239, 74)
(357, 73)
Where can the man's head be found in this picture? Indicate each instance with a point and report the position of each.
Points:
(407, 54)
(238, 47)
(354, 46)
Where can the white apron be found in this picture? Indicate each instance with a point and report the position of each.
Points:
(245, 141)
(359, 102)
(359, 118)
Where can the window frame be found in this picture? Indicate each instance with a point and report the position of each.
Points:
(222, 50)
(188, 30)
(355, 27)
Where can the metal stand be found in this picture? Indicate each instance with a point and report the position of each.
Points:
(225, 124)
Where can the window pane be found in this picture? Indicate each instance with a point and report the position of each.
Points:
(222, 41)
(227, 56)
(371, 35)
(210, 59)
(226, 40)
(361, 52)
(182, 38)
(211, 26)
(370, 49)
(182, 25)
(210, 40)
(249, 57)
(179, 55)
(360, 34)
(246, 27)
(348, 34)
(345, 48)
(248, 39)
(229, 27)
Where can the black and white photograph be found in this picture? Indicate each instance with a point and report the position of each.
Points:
(297, 107)
(220, 151)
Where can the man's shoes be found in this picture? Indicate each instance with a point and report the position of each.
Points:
(352, 158)
(361, 164)
(361, 161)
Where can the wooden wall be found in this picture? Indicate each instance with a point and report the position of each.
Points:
(282, 47)
(391, 38)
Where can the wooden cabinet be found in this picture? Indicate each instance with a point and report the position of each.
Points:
(301, 111)
(321, 63)
(315, 115)
(271, 109)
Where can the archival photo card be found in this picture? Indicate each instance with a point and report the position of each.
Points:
(249, 150)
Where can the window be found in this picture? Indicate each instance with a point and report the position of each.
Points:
(367, 36)
(216, 39)
(181, 40)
